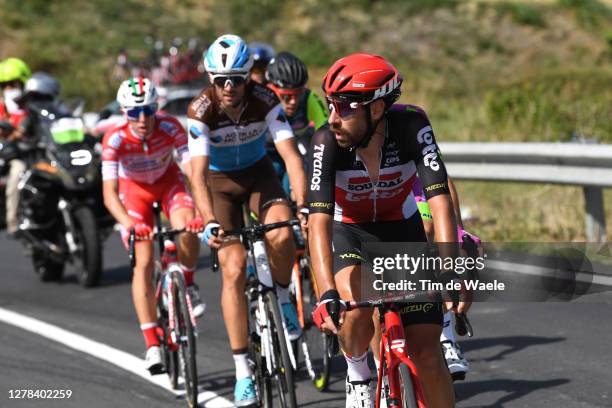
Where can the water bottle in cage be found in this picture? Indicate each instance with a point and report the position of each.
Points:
(169, 256)
(165, 285)
(250, 266)
(261, 261)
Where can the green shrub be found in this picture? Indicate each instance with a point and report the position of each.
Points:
(522, 13)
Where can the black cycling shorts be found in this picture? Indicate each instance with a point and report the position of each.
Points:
(348, 238)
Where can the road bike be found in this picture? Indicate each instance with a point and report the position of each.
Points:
(269, 347)
(397, 374)
(175, 318)
(317, 349)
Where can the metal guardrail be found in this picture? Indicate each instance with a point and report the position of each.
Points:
(586, 165)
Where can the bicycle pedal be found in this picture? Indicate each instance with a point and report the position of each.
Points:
(458, 376)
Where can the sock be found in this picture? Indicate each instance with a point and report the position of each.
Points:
(357, 367)
(149, 332)
(448, 332)
(282, 293)
(188, 274)
(242, 366)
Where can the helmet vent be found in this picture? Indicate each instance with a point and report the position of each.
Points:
(334, 75)
(388, 78)
(224, 44)
(344, 83)
(224, 59)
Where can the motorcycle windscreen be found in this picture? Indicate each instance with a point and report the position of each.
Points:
(67, 130)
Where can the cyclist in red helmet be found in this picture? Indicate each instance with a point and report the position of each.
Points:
(362, 168)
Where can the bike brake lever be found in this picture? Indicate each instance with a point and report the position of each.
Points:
(132, 245)
(463, 325)
(334, 348)
(214, 254)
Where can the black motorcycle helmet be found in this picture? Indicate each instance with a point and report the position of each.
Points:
(287, 71)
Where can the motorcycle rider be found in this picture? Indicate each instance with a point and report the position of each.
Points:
(13, 76)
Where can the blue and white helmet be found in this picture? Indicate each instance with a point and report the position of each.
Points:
(229, 54)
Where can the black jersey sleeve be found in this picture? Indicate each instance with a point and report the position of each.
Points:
(322, 172)
(420, 143)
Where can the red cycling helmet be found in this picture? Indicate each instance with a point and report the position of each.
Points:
(362, 77)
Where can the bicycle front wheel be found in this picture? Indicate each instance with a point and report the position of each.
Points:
(282, 371)
(407, 390)
(186, 341)
(315, 345)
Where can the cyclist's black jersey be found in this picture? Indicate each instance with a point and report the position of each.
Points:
(340, 184)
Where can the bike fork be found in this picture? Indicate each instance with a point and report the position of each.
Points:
(64, 208)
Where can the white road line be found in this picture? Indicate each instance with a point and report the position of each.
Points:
(534, 270)
(103, 352)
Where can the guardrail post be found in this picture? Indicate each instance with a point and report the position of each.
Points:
(595, 216)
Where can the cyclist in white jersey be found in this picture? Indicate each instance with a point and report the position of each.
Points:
(227, 126)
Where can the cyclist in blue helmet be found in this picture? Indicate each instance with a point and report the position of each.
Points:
(262, 55)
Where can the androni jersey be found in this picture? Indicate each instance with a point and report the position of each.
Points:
(340, 184)
(231, 145)
(128, 156)
(311, 114)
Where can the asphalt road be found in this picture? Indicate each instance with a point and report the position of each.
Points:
(523, 355)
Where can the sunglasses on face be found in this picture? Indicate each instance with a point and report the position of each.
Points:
(344, 108)
(12, 84)
(288, 97)
(232, 80)
(134, 113)
(286, 94)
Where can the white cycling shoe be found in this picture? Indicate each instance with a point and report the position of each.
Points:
(457, 364)
(360, 394)
(153, 360)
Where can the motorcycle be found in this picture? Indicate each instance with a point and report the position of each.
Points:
(61, 213)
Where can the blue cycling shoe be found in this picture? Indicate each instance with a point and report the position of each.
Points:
(244, 393)
(291, 319)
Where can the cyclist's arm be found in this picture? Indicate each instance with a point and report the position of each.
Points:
(321, 199)
(319, 247)
(198, 150)
(434, 178)
(113, 203)
(455, 198)
(285, 146)
(181, 146)
(110, 177)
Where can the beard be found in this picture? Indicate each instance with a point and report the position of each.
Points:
(350, 140)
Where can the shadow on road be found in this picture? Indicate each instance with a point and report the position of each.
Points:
(119, 275)
(324, 402)
(511, 344)
(514, 389)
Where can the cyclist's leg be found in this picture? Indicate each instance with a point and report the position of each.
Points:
(269, 202)
(227, 196)
(178, 206)
(423, 343)
(137, 203)
(358, 328)
(233, 302)
(17, 168)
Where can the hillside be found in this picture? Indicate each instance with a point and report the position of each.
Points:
(483, 69)
(519, 70)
